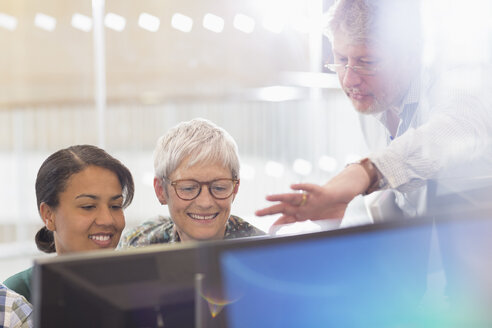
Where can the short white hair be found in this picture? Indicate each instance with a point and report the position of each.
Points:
(353, 18)
(198, 140)
(393, 24)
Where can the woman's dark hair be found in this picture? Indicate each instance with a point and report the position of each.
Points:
(59, 167)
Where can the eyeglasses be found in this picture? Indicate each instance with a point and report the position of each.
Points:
(361, 70)
(190, 189)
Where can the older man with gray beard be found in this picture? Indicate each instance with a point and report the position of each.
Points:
(419, 122)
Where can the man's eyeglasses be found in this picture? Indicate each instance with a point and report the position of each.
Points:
(190, 189)
(361, 70)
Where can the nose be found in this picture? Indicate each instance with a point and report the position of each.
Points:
(105, 216)
(204, 199)
(350, 78)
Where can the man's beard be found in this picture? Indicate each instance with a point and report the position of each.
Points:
(378, 105)
(391, 97)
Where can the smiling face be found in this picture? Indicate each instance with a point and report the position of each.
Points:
(203, 218)
(369, 94)
(89, 215)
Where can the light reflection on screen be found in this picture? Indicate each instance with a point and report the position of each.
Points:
(381, 278)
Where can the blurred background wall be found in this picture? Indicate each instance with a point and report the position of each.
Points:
(253, 67)
(119, 73)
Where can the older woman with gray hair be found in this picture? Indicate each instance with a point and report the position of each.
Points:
(196, 167)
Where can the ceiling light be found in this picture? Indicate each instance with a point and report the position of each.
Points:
(213, 23)
(8, 22)
(279, 93)
(273, 24)
(82, 22)
(274, 169)
(327, 163)
(182, 23)
(352, 158)
(244, 23)
(45, 22)
(302, 167)
(148, 178)
(115, 22)
(300, 24)
(248, 172)
(149, 22)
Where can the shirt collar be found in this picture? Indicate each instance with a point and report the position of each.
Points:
(174, 236)
(412, 96)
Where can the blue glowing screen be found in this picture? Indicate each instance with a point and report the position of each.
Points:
(417, 276)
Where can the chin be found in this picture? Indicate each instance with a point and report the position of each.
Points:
(203, 234)
(368, 109)
(204, 237)
(361, 107)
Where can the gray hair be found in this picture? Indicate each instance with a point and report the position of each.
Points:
(393, 24)
(353, 18)
(199, 140)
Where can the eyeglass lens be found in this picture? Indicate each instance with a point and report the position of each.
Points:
(340, 68)
(190, 189)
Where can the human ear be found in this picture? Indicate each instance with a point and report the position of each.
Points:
(48, 216)
(236, 189)
(159, 190)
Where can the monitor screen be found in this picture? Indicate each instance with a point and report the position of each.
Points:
(146, 287)
(413, 273)
(406, 273)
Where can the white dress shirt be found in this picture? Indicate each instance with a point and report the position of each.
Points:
(444, 131)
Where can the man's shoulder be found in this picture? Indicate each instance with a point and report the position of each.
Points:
(153, 231)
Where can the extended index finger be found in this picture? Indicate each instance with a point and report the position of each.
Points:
(290, 198)
(274, 209)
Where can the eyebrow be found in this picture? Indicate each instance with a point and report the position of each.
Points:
(97, 197)
(359, 58)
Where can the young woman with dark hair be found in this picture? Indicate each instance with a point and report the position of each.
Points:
(81, 192)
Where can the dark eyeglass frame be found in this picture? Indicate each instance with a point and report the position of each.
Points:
(201, 184)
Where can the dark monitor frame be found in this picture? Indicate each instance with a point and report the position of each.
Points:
(132, 288)
(109, 284)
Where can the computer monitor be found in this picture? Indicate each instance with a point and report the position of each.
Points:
(145, 287)
(151, 286)
(409, 273)
(405, 273)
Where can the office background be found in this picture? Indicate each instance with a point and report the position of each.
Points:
(118, 74)
(150, 65)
